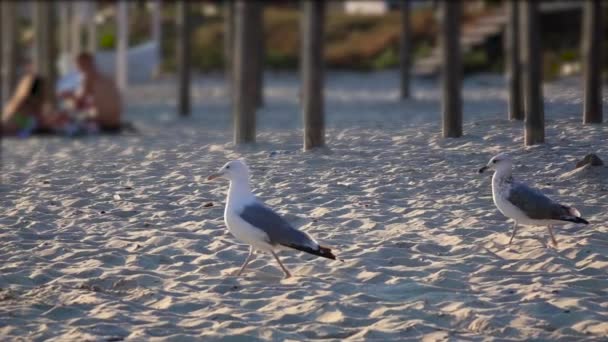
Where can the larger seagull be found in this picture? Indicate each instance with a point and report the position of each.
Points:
(523, 204)
(253, 223)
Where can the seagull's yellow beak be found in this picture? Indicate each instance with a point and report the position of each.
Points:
(214, 176)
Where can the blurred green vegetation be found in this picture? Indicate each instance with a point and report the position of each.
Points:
(139, 30)
(355, 42)
(352, 42)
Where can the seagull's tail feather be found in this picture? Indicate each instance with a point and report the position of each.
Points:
(573, 216)
(321, 251)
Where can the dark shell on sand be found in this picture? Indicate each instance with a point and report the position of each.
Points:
(592, 159)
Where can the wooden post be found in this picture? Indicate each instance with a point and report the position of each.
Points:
(228, 43)
(593, 28)
(76, 28)
(259, 54)
(65, 30)
(183, 56)
(52, 51)
(44, 49)
(532, 74)
(157, 33)
(122, 44)
(9, 48)
(513, 64)
(39, 11)
(451, 74)
(312, 73)
(3, 92)
(243, 74)
(91, 10)
(405, 49)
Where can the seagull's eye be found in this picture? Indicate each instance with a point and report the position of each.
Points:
(227, 167)
(494, 161)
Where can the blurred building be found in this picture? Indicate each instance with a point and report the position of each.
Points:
(379, 7)
(366, 7)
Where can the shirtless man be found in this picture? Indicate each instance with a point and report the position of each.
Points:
(98, 96)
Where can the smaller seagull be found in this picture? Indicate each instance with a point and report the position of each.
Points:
(523, 204)
(253, 223)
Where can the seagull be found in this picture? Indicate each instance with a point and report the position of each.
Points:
(523, 204)
(252, 222)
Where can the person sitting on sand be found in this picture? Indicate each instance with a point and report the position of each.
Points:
(29, 110)
(98, 99)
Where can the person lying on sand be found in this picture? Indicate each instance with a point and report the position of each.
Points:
(98, 99)
(29, 110)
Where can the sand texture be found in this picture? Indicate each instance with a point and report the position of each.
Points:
(114, 238)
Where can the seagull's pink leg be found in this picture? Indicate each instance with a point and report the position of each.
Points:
(514, 231)
(552, 236)
(287, 274)
(247, 261)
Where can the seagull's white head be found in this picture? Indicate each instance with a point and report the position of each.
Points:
(499, 162)
(233, 170)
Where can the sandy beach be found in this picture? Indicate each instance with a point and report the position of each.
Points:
(121, 238)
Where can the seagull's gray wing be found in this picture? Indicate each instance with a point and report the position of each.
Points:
(279, 231)
(535, 204)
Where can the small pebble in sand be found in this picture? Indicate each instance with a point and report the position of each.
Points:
(94, 288)
(6, 295)
(590, 158)
(114, 339)
(102, 212)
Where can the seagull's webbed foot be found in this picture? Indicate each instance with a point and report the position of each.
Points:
(287, 274)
